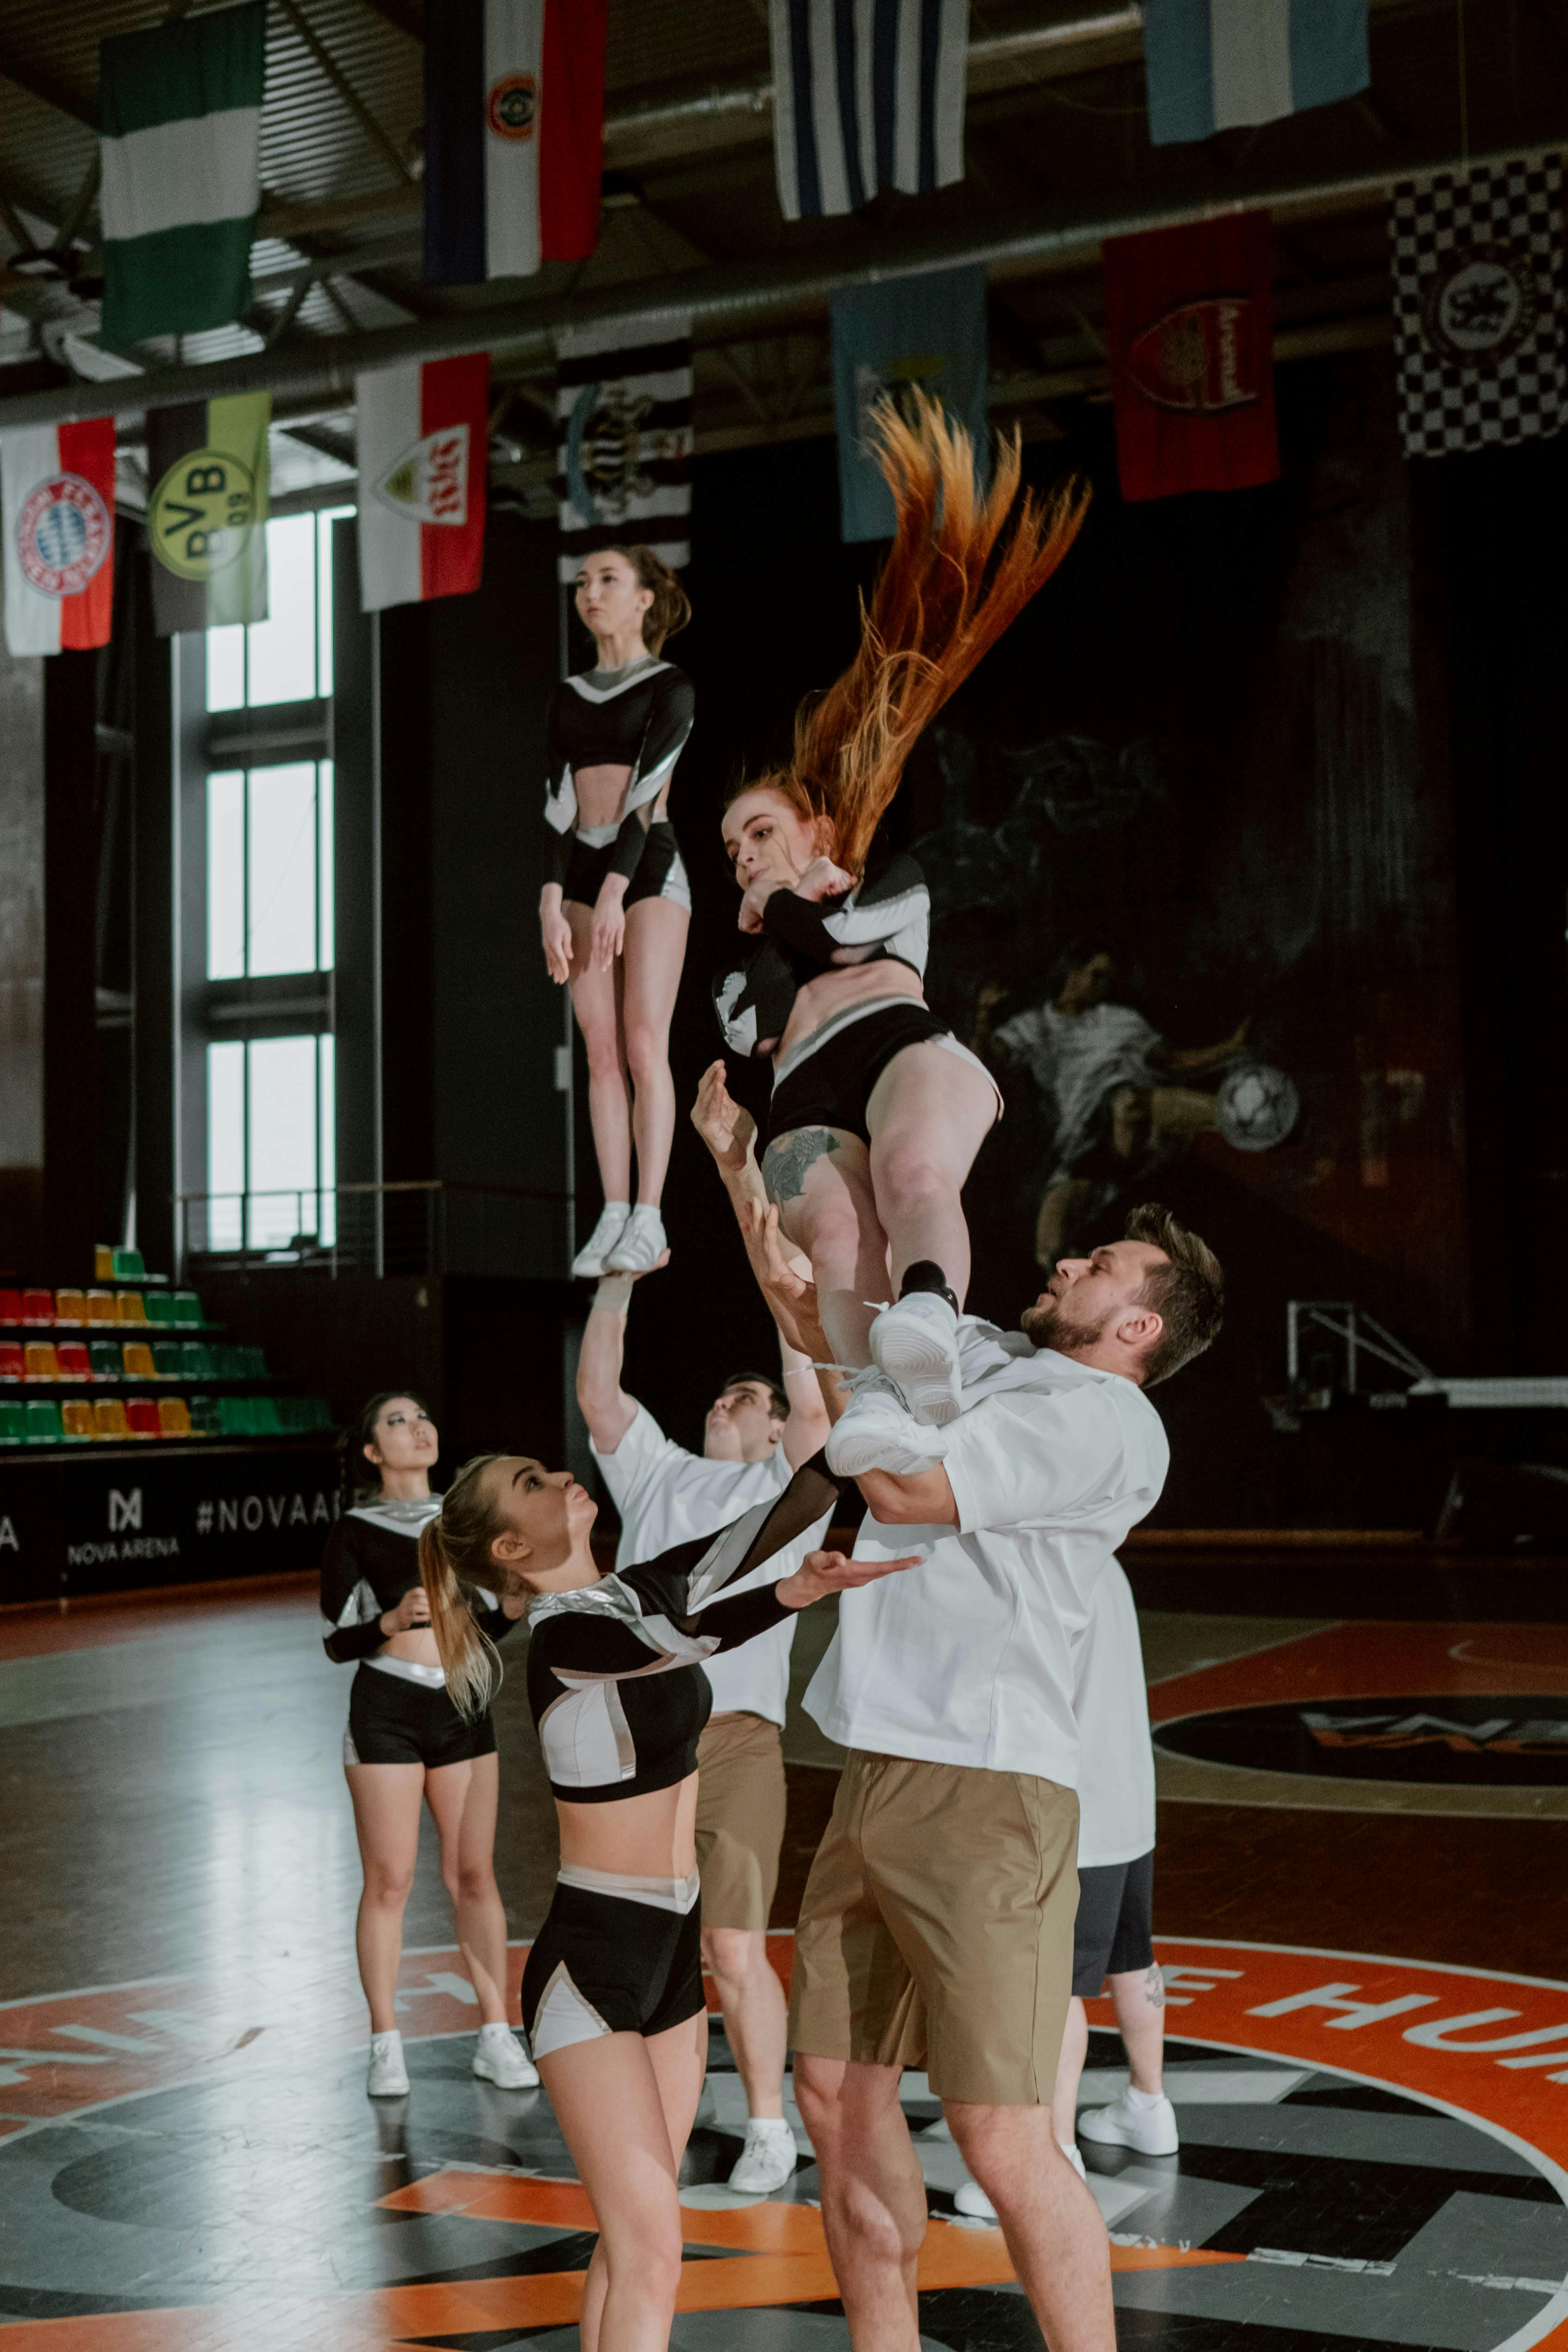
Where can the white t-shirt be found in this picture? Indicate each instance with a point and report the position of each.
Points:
(1110, 1700)
(1077, 1058)
(666, 1496)
(969, 1658)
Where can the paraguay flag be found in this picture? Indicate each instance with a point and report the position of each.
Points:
(1214, 65)
(423, 443)
(56, 490)
(514, 129)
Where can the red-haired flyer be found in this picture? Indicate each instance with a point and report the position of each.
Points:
(423, 438)
(57, 486)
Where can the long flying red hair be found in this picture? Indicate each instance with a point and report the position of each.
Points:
(954, 577)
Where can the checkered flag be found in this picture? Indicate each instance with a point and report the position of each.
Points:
(1478, 306)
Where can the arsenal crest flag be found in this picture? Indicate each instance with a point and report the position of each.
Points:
(1477, 306)
(625, 421)
(423, 447)
(514, 123)
(1190, 330)
(56, 488)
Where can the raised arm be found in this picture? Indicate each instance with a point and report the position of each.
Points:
(606, 1407)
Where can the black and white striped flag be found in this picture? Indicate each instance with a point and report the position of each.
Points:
(867, 95)
(624, 417)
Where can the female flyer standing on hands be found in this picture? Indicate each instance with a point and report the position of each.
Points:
(615, 913)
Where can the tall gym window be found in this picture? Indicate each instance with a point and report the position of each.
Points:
(288, 659)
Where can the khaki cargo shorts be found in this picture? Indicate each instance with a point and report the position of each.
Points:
(740, 1820)
(936, 1927)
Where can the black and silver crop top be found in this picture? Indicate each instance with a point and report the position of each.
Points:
(885, 917)
(639, 721)
(371, 1560)
(615, 1678)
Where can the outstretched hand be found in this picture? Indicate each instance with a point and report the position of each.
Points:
(822, 1572)
(792, 1294)
(728, 1129)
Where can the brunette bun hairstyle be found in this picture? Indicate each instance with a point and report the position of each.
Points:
(671, 608)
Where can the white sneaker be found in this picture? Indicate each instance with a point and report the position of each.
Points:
(875, 1433)
(388, 2076)
(1074, 2159)
(915, 1343)
(499, 2058)
(767, 2159)
(1134, 2121)
(591, 1257)
(641, 1245)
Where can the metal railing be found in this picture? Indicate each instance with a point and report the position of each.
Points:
(425, 1227)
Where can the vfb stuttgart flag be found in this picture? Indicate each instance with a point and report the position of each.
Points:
(423, 443)
(57, 482)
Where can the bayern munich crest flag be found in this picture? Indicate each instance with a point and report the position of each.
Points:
(424, 452)
(624, 415)
(57, 496)
(1189, 326)
(514, 127)
(1477, 306)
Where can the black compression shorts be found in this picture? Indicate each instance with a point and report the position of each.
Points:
(637, 1969)
(833, 1087)
(394, 1721)
(660, 871)
(1115, 1919)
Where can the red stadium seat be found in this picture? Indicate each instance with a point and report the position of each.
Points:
(37, 1307)
(11, 1364)
(142, 1417)
(72, 1357)
(10, 1305)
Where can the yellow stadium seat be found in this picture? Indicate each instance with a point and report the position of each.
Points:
(70, 1307)
(131, 1307)
(174, 1417)
(103, 1262)
(139, 1360)
(39, 1361)
(108, 1420)
(76, 1420)
(100, 1307)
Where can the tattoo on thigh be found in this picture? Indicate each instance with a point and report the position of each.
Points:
(789, 1158)
(1154, 1988)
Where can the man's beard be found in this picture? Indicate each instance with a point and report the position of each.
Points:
(1051, 1326)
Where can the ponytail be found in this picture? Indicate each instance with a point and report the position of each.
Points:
(453, 1562)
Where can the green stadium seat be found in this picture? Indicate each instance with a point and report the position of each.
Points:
(160, 1307)
(265, 1421)
(187, 1309)
(233, 1416)
(44, 1423)
(105, 1358)
(229, 1363)
(205, 1416)
(128, 1265)
(12, 1425)
(168, 1359)
(254, 1363)
(195, 1360)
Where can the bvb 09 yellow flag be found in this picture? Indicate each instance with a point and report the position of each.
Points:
(206, 513)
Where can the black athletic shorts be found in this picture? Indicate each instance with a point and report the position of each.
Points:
(832, 1086)
(601, 1964)
(394, 1721)
(661, 870)
(1115, 1925)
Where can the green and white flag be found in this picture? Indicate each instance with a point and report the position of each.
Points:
(182, 181)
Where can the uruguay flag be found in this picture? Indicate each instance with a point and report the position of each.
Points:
(1214, 65)
(867, 95)
(514, 128)
(58, 484)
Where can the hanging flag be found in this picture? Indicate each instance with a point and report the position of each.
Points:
(1189, 326)
(424, 461)
(1477, 306)
(1214, 64)
(182, 124)
(514, 127)
(206, 513)
(57, 493)
(925, 333)
(625, 419)
(866, 98)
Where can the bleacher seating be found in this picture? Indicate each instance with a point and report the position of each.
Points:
(130, 1325)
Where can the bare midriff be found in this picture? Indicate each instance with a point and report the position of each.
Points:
(599, 792)
(417, 1646)
(653, 1835)
(832, 991)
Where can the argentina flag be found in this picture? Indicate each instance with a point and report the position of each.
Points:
(867, 95)
(1216, 65)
